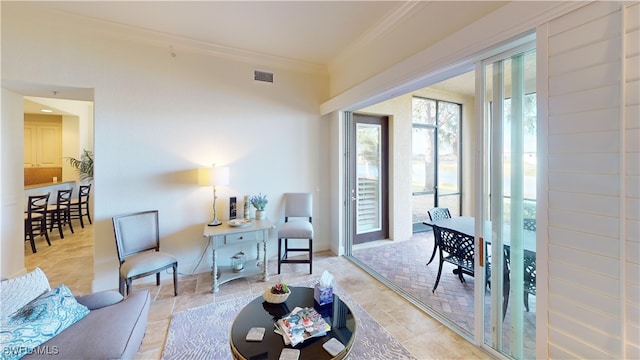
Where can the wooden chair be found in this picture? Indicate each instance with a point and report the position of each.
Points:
(437, 213)
(298, 206)
(80, 207)
(35, 219)
(138, 244)
(60, 212)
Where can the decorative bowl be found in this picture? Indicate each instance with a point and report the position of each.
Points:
(269, 297)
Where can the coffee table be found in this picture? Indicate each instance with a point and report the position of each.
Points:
(259, 313)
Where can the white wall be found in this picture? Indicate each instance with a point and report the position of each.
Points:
(11, 185)
(158, 118)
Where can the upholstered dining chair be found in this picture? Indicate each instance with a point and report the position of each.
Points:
(138, 244)
(80, 206)
(35, 219)
(60, 212)
(298, 216)
(437, 213)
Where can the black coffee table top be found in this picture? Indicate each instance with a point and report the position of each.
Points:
(259, 313)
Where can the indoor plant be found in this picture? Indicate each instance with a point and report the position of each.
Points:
(259, 202)
(84, 166)
(277, 294)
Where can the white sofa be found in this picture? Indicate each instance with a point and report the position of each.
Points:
(102, 325)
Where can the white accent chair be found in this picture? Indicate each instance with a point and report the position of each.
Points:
(298, 206)
(138, 243)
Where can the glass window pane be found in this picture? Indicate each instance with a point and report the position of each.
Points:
(448, 147)
(369, 158)
(422, 161)
(424, 111)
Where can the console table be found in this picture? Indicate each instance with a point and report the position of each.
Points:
(226, 236)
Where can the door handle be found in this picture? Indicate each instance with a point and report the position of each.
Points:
(481, 251)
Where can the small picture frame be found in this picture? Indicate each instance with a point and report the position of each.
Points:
(233, 209)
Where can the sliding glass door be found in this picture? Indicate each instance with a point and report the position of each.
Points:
(507, 211)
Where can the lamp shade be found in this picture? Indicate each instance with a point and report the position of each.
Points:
(213, 176)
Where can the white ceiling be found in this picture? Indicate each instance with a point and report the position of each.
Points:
(310, 31)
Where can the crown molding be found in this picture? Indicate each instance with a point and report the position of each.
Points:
(383, 27)
(174, 43)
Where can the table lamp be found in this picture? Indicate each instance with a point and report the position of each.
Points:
(213, 176)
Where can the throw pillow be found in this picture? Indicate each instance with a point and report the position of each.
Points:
(17, 292)
(39, 321)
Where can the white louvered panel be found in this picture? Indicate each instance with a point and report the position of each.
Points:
(579, 349)
(588, 203)
(632, 256)
(633, 272)
(604, 245)
(599, 29)
(587, 78)
(633, 116)
(584, 162)
(633, 186)
(585, 222)
(599, 339)
(559, 353)
(567, 272)
(593, 142)
(633, 164)
(581, 183)
(633, 293)
(633, 230)
(591, 99)
(580, 294)
(632, 139)
(632, 66)
(632, 92)
(581, 58)
(632, 183)
(632, 208)
(586, 121)
(582, 16)
(606, 323)
(587, 261)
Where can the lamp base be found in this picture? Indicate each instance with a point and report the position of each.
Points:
(215, 222)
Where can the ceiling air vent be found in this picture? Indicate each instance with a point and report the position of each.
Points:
(263, 76)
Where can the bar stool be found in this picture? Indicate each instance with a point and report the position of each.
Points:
(300, 206)
(35, 219)
(80, 207)
(60, 212)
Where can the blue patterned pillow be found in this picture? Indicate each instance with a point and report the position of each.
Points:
(38, 321)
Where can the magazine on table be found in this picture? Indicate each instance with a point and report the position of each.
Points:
(301, 324)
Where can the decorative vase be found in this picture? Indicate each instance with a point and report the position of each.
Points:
(260, 215)
(272, 298)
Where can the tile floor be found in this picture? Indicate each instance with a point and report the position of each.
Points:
(70, 261)
(404, 263)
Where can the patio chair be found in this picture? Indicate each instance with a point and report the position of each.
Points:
(437, 213)
(460, 251)
(529, 279)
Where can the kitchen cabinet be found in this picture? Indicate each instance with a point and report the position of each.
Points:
(43, 143)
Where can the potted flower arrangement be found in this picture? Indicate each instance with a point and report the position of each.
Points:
(259, 202)
(277, 294)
